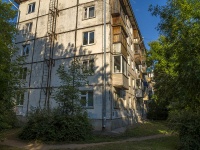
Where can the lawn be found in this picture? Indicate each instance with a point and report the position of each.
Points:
(4, 147)
(140, 130)
(166, 143)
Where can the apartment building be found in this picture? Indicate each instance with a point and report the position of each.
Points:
(53, 32)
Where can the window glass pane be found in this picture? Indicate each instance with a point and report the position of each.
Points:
(27, 49)
(33, 7)
(91, 37)
(24, 73)
(91, 65)
(85, 15)
(91, 12)
(29, 8)
(117, 64)
(83, 100)
(85, 38)
(124, 68)
(90, 98)
(24, 50)
(30, 27)
(85, 66)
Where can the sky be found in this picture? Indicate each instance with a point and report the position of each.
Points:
(146, 22)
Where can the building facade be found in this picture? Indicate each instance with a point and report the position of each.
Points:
(52, 32)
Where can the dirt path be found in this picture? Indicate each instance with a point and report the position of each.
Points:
(37, 146)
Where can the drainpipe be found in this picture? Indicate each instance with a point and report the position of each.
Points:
(104, 96)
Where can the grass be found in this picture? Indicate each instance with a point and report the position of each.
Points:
(147, 129)
(166, 143)
(4, 147)
(139, 130)
(135, 131)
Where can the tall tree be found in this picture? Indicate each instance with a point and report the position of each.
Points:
(9, 81)
(177, 68)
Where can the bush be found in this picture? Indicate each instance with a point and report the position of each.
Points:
(156, 112)
(54, 126)
(187, 124)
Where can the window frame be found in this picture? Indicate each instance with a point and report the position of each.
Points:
(123, 65)
(88, 36)
(86, 66)
(30, 8)
(24, 50)
(86, 14)
(29, 27)
(87, 98)
(23, 73)
(19, 99)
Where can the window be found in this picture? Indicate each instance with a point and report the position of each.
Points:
(120, 65)
(20, 99)
(116, 98)
(129, 60)
(89, 12)
(88, 38)
(23, 73)
(88, 66)
(26, 49)
(87, 98)
(28, 27)
(31, 8)
(129, 80)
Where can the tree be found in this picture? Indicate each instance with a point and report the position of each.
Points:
(9, 78)
(68, 122)
(68, 94)
(177, 71)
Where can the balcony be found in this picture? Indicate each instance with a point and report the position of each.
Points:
(115, 7)
(119, 80)
(138, 56)
(118, 48)
(139, 93)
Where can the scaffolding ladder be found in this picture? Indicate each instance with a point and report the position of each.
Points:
(48, 63)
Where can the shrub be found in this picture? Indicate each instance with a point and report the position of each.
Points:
(187, 124)
(156, 111)
(55, 126)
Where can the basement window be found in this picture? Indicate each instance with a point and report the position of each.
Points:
(89, 12)
(31, 8)
(25, 50)
(88, 38)
(87, 99)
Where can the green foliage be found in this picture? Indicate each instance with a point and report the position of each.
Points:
(157, 111)
(9, 81)
(68, 94)
(176, 58)
(187, 124)
(68, 122)
(55, 126)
